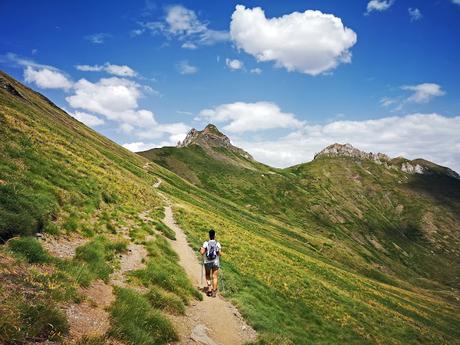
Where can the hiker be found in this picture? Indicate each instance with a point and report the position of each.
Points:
(211, 251)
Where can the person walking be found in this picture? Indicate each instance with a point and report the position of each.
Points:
(211, 251)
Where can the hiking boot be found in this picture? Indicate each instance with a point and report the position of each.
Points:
(214, 293)
(209, 293)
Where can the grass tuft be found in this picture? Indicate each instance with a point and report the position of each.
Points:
(29, 248)
(165, 230)
(136, 322)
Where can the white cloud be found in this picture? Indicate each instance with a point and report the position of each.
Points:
(117, 99)
(256, 70)
(430, 136)
(138, 146)
(183, 24)
(379, 5)
(88, 119)
(310, 42)
(98, 38)
(249, 117)
(47, 78)
(423, 93)
(118, 70)
(387, 101)
(457, 2)
(185, 68)
(189, 45)
(234, 64)
(415, 14)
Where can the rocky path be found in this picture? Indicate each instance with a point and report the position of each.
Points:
(213, 320)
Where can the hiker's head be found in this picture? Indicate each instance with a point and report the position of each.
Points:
(212, 234)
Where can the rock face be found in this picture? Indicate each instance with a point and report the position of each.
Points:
(347, 150)
(211, 137)
(407, 167)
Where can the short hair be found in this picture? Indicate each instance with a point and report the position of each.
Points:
(212, 234)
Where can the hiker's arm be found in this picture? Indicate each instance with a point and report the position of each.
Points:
(202, 251)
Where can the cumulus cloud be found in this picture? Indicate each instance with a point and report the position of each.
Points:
(379, 5)
(249, 117)
(423, 93)
(185, 68)
(256, 70)
(97, 38)
(415, 14)
(310, 42)
(118, 70)
(430, 136)
(117, 99)
(47, 78)
(234, 64)
(88, 119)
(183, 24)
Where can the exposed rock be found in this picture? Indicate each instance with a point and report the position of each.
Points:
(200, 335)
(407, 167)
(6, 85)
(347, 150)
(211, 137)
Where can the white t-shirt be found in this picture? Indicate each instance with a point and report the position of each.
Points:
(205, 246)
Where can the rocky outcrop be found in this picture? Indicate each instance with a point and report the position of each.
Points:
(418, 166)
(211, 137)
(347, 150)
(407, 167)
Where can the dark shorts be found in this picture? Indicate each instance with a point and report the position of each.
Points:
(211, 265)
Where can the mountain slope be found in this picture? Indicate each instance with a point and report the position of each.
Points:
(87, 198)
(294, 269)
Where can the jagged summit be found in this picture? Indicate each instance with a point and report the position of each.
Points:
(347, 150)
(416, 166)
(211, 137)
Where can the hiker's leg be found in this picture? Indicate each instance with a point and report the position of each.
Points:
(208, 276)
(215, 275)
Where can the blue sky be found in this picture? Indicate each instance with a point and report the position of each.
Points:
(282, 79)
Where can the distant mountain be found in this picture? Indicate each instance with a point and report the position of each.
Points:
(416, 166)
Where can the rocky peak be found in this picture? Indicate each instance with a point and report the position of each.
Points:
(417, 166)
(347, 150)
(210, 137)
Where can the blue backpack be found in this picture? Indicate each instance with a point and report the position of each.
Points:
(211, 250)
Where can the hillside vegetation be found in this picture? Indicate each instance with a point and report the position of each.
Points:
(339, 250)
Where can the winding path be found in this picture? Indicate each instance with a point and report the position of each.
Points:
(213, 320)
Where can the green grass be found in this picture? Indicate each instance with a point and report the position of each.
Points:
(163, 270)
(97, 254)
(135, 322)
(164, 300)
(29, 248)
(165, 230)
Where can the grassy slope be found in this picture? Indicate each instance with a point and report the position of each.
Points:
(350, 246)
(60, 177)
(292, 275)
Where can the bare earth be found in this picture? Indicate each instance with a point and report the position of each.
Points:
(213, 320)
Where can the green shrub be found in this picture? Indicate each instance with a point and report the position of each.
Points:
(165, 230)
(164, 300)
(29, 248)
(136, 322)
(44, 321)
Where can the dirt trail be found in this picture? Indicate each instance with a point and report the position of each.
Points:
(213, 320)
